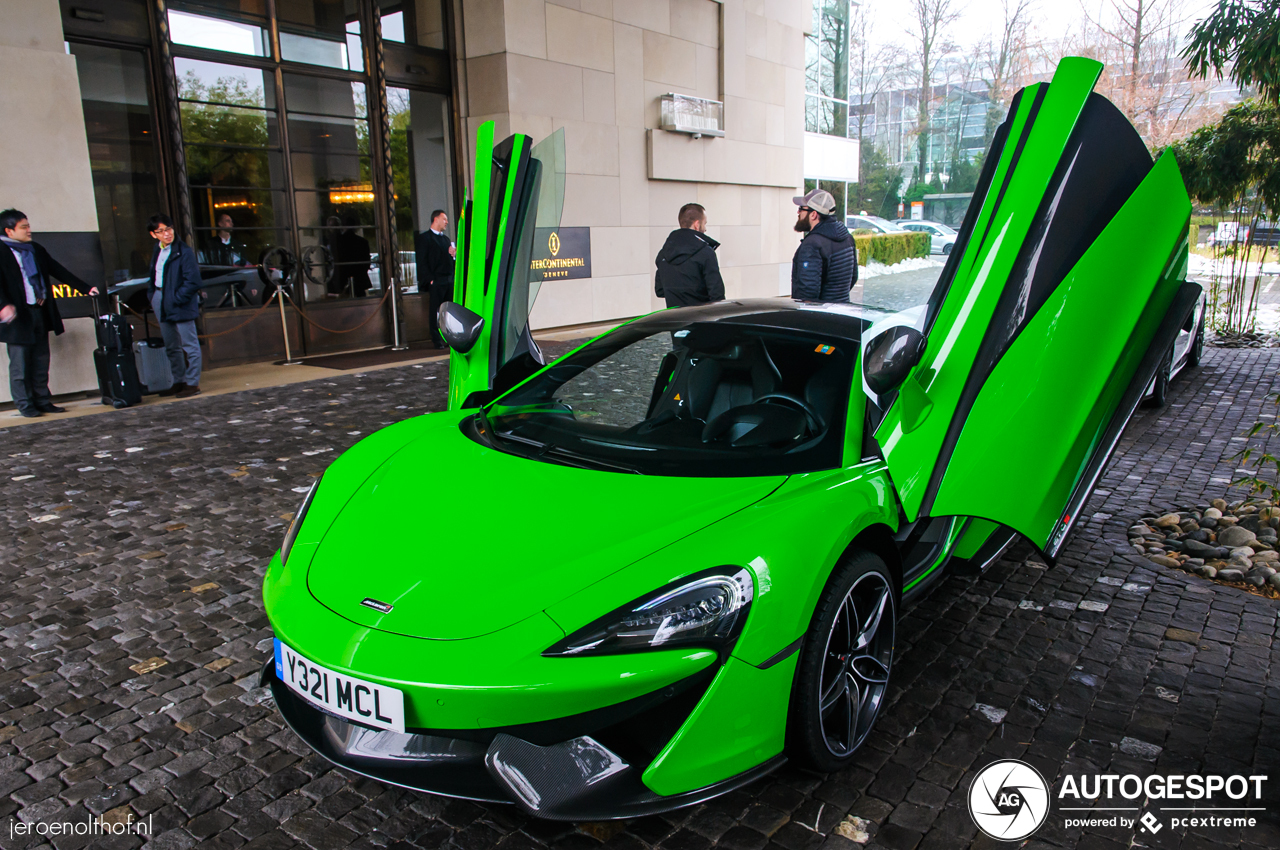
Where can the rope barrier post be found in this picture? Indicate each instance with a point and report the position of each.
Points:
(398, 343)
(284, 326)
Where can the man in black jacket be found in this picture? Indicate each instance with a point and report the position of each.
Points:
(28, 311)
(688, 271)
(174, 292)
(825, 266)
(434, 254)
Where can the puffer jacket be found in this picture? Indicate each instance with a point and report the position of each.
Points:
(688, 271)
(825, 266)
(181, 301)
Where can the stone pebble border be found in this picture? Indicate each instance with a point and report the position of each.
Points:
(1233, 544)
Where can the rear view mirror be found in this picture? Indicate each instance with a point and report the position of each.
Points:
(889, 357)
(459, 326)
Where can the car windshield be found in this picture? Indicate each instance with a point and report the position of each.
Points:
(948, 231)
(670, 395)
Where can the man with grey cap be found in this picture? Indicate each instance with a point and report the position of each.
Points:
(825, 266)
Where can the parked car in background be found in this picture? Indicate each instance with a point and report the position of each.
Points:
(1186, 351)
(941, 237)
(871, 222)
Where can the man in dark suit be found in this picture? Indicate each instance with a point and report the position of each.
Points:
(434, 254)
(28, 311)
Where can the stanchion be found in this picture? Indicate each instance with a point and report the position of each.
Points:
(284, 326)
(398, 343)
(287, 269)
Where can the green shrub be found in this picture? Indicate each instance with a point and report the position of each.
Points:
(890, 248)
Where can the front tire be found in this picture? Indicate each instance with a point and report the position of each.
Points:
(946, 250)
(842, 676)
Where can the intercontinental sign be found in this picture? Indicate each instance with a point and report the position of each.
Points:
(562, 253)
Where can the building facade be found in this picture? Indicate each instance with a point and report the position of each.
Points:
(323, 133)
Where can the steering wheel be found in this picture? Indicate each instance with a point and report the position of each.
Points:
(810, 415)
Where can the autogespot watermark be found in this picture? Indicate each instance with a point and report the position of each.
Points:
(1009, 800)
(97, 827)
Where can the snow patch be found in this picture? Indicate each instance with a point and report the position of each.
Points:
(911, 264)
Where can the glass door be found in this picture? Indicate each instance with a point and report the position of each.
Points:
(235, 163)
(333, 188)
(123, 156)
(420, 159)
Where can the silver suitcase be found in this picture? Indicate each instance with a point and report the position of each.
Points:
(153, 365)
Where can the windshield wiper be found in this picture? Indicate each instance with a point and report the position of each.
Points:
(550, 452)
(553, 452)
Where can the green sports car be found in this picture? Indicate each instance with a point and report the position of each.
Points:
(676, 556)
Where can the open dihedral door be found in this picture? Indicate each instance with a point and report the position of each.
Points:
(1062, 294)
(519, 195)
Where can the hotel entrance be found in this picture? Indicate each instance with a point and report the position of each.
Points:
(316, 132)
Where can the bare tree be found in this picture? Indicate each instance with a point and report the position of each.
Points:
(1005, 60)
(928, 28)
(1138, 42)
(873, 69)
(1137, 27)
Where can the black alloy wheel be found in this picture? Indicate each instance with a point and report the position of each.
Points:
(1196, 354)
(843, 673)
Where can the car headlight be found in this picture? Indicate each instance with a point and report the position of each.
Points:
(292, 534)
(705, 609)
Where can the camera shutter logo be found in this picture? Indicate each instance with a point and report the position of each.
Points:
(1009, 800)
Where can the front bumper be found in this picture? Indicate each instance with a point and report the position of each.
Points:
(556, 770)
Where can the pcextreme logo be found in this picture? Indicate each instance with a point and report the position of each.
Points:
(1009, 800)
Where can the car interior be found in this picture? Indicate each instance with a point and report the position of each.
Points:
(744, 390)
(682, 401)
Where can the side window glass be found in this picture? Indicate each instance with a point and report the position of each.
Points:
(617, 390)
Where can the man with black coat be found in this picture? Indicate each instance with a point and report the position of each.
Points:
(434, 254)
(825, 266)
(28, 311)
(174, 291)
(688, 271)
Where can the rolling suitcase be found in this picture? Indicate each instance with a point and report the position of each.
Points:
(113, 361)
(153, 362)
(153, 365)
(117, 377)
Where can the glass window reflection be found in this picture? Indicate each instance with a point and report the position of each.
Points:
(217, 34)
(393, 27)
(217, 82)
(122, 153)
(321, 32)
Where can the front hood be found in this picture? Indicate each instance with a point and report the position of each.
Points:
(463, 540)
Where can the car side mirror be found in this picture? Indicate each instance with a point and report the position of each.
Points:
(459, 326)
(889, 357)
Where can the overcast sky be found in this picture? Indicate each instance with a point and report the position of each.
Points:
(979, 18)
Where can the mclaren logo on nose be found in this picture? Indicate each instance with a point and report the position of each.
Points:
(369, 602)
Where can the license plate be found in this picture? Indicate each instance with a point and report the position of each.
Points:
(339, 694)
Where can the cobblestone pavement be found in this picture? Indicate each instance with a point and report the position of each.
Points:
(131, 631)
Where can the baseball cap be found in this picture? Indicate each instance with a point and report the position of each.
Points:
(819, 200)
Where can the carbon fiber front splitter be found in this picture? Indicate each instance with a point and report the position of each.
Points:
(575, 780)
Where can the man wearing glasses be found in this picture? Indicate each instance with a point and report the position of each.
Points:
(825, 266)
(29, 311)
(174, 289)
